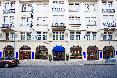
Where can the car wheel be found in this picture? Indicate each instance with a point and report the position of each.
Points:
(6, 65)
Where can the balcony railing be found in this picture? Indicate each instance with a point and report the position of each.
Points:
(7, 25)
(58, 28)
(108, 10)
(9, 11)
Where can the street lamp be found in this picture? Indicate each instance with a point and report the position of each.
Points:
(14, 42)
(108, 31)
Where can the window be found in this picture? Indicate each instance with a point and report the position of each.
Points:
(53, 35)
(5, 19)
(78, 35)
(61, 35)
(72, 35)
(38, 37)
(110, 35)
(89, 7)
(58, 35)
(29, 36)
(22, 35)
(74, 20)
(94, 35)
(24, 21)
(109, 20)
(44, 35)
(55, 1)
(90, 21)
(88, 35)
(27, 8)
(104, 36)
(74, 7)
(61, 2)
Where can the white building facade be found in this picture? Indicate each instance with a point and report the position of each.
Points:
(62, 29)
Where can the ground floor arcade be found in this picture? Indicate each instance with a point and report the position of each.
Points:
(59, 50)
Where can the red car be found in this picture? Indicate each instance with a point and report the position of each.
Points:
(8, 62)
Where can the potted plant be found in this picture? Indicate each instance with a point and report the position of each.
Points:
(67, 57)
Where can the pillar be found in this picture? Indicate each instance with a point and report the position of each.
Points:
(84, 55)
(1, 54)
(100, 55)
(32, 55)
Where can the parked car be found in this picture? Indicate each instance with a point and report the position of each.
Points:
(9, 62)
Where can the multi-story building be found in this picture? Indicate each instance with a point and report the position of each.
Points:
(80, 29)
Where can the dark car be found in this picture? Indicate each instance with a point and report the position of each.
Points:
(9, 62)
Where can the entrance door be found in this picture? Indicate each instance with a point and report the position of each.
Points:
(59, 56)
(8, 51)
(7, 36)
(25, 55)
(92, 53)
(108, 52)
(25, 52)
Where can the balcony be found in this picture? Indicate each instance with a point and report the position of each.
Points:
(58, 28)
(109, 24)
(108, 10)
(8, 11)
(7, 25)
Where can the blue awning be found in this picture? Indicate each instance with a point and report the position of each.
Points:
(58, 49)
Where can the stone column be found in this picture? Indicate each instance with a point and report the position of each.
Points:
(100, 55)
(84, 56)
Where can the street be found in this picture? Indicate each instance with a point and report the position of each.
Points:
(60, 71)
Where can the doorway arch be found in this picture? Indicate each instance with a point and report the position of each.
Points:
(41, 52)
(25, 52)
(92, 53)
(76, 52)
(58, 53)
(8, 51)
(108, 51)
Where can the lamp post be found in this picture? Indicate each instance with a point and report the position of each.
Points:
(14, 44)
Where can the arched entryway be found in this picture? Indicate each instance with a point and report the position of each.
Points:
(25, 52)
(76, 52)
(8, 51)
(58, 53)
(108, 52)
(92, 53)
(41, 52)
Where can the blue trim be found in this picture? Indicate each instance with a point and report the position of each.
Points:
(116, 52)
(17, 55)
(0, 54)
(84, 53)
(32, 55)
(100, 54)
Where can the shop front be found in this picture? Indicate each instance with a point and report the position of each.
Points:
(75, 52)
(25, 52)
(41, 52)
(92, 53)
(8, 51)
(58, 53)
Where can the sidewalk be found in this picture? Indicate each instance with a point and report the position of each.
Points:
(52, 63)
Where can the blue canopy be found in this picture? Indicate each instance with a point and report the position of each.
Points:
(58, 49)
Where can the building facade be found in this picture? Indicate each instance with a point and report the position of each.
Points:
(62, 29)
